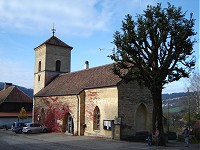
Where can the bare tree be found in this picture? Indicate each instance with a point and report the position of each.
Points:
(194, 94)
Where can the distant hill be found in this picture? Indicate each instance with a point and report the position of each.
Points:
(173, 95)
(175, 102)
(27, 91)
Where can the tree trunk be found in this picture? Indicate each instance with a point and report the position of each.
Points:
(157, 121)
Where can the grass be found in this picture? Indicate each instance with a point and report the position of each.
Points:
(173, 109)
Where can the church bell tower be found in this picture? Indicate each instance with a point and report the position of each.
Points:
(52, 58)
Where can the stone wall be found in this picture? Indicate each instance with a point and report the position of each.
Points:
(58, 53)
(134, 102)
(82, 113)
(107, 101)
(51, 111)
(39, 56)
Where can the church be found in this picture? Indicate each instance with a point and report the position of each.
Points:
(90, 102)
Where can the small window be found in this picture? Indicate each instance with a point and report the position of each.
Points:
(58, 64)
(38, 77)
(96, 121)
(39, 66)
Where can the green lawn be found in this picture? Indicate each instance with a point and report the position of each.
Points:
(174, 109)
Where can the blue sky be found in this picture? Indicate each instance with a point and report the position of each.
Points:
(87, 26)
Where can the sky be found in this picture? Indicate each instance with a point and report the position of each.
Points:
(86, 25)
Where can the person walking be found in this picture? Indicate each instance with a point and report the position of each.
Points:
(149, 140)
(186, 135)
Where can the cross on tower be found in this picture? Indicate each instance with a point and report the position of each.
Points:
(53, 30)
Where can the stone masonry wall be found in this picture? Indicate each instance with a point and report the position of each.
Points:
(107, 101)
(58, 53)
(50, 111)
(39, 56)
(131, 96)
(82, 113)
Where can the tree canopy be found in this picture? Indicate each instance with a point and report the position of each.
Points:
(158, 44)
(156, 49)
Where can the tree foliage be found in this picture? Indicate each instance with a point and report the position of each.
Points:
(158, 44)
(22, 114)
(156, 49)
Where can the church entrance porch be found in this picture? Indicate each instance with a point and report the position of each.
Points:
(68, 124)
(141, 118)
(141, 125)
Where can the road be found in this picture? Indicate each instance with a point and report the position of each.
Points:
(59, 141)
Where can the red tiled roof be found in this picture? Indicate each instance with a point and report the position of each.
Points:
(13, 114)
(55, 41)
(13, 94)
(75, 82)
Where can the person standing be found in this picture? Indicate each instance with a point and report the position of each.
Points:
(157, 136)
(186, 135)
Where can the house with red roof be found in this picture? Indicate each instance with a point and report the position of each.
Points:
(12, 100)
(92, 101)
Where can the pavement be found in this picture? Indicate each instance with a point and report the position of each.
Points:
(93, 143)
(174, 145)
(171, 144)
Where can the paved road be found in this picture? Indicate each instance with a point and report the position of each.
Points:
(55, 141)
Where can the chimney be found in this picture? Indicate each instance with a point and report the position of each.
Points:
(86, 65)
(6, 85)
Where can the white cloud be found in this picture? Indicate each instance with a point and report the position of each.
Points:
(75, 17)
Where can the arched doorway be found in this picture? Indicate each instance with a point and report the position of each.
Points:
(42, 116)
(141, 118)
(68, 123)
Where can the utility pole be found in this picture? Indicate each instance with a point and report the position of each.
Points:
(168, 117)
(198, 100)
(188, 110)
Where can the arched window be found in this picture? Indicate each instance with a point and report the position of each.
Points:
(96, 118)
(58, 64)
(39, 66)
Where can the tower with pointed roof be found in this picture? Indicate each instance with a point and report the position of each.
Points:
(52, 58)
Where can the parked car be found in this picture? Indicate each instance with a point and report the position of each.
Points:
(34, 128)
(18, 126)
